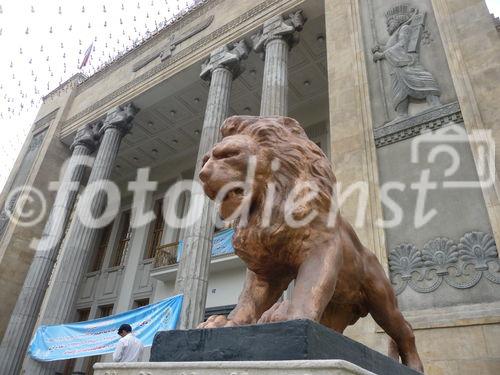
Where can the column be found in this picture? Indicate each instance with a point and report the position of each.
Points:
(276, 39)
(192, 276)
(24, 316)
(81, 239)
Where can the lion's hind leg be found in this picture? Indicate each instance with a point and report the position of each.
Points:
(384, 309)
(392, 350)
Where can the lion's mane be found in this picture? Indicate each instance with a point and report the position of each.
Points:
(285, 140)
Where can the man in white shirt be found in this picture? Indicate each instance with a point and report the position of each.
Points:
(129, 348)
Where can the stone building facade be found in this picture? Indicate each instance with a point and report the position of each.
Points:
(376, 84)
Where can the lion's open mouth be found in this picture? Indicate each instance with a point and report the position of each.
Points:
(234, 194)
(231, 201)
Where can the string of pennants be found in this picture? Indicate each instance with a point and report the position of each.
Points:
(46, 43)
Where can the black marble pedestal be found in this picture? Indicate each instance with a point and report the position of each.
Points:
(293, 340)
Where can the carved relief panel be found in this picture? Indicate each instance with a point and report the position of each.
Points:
(439, 245)
(409, 72)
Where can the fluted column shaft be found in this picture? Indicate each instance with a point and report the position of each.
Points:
(192, 276)
(81, 239)
(274, 100)
(277, 37)
(24, 316)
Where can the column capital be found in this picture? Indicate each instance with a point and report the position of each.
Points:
(279, 27)
(87, 136)
(120, 118)
(228, 56)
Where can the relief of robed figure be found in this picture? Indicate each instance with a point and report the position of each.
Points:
(409, 78)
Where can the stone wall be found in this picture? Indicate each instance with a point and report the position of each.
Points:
(461, 338)
(37, 166)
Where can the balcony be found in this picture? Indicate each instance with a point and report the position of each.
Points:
(166, 255)
(223, 257)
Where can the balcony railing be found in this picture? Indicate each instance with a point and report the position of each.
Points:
(166, 255)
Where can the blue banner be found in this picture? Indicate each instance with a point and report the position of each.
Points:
(222, 243)
(100, 336)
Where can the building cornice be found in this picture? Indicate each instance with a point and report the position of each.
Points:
(182, 21)
(72, 81)
(197, 47)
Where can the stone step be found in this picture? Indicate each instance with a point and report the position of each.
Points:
(325, 367)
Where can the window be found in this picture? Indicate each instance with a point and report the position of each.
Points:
(121, 249)
(141, 303)
(100, 252)
(157, 233)
(104, 311)
(83, 314)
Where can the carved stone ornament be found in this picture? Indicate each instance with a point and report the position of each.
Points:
(120, 118)
(172, 44)
(337, 279)
(461, 265)
(228, 56)
(88, 136)
(279, 27)
(429, 120)
(410, 80)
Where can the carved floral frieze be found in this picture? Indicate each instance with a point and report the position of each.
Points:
(460, 265)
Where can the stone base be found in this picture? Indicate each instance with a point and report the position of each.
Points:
(286, 341)
(328, 367)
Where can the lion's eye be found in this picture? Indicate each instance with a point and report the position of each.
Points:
(225, 153)
(231, 153)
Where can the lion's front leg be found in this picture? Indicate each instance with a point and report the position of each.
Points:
(314, 287)
(257, 296)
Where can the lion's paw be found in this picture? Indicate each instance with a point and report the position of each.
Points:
(216, 321)
(279, 312)
(283, 311)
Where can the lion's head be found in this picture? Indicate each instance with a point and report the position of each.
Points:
(274, 150)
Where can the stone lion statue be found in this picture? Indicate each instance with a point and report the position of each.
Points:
(337, 279)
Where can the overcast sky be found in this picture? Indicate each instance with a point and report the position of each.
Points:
(494, 6)
(43, 43)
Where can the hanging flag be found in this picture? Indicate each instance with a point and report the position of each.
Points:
(86, 57)
(222, 243)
